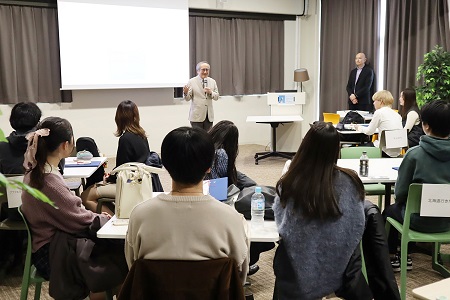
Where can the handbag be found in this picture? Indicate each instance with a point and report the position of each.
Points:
(133, 186)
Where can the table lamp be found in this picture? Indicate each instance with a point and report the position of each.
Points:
(301, 75)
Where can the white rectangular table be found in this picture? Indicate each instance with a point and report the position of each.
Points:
(380, 171)
(274, 121)
(112, 231)
(81, 172)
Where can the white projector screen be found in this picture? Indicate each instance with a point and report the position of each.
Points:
(108, 44)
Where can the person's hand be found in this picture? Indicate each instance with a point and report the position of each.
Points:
(207, 90)
(106, 214)
(105, 178)
(185, 89)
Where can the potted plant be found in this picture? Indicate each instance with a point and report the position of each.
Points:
(434, 73)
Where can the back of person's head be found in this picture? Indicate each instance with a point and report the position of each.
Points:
(127, 119)
(436, 114)
(225, 135)
(309, 180)
(385, 97)
(60, 131)
(25, 116)
(187, 153)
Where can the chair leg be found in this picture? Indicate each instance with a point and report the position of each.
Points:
(403, 259)
(436, 264)
(380, 202)
(37, 291)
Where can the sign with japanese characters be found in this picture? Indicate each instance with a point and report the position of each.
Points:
(435, 200)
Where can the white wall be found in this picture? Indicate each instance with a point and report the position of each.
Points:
(92, 111)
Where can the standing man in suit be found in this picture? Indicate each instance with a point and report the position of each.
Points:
(359, 85)
(201, 90)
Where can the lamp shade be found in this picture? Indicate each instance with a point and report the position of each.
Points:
(301, 75)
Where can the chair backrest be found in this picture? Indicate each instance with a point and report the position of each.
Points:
(178, 279)
(355, 152)
(394, 138)
(87, 143)
(331, 117)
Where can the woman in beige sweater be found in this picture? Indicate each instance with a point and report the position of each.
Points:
(186, 224)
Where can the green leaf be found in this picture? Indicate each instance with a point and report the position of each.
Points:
(2, 136)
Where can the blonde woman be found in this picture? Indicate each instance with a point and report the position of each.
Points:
(384, 118)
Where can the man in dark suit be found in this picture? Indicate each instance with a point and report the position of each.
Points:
(359, 85)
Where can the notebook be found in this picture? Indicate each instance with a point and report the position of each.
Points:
(217, 188)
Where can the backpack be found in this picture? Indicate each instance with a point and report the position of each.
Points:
(353, 117)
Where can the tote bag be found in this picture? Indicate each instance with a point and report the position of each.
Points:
(133, 185)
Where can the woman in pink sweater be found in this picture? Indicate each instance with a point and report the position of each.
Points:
(51, 142)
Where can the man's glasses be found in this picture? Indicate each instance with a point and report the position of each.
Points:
(204, 70)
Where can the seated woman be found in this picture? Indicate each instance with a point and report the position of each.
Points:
(133, 147)
(186, 224)
(319, 211)
(410, 116)
(384, 118)
(225, 137)
(51, 142)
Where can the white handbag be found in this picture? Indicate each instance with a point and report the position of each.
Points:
(133, 185)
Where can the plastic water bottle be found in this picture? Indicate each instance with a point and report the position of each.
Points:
(258, 206)
(364, 165)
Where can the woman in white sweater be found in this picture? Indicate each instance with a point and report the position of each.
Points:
(384, 118)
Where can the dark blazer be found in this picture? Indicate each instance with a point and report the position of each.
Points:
(362, 90)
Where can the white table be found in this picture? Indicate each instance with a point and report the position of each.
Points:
(433, 291)
(274, 121)
(112, 231)
(81, 172)
(380, 171)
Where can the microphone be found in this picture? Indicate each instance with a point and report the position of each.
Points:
(205, 84)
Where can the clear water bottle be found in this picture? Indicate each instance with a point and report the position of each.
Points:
(364, 165)
(257, 205)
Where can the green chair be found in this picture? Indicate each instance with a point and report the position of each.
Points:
(408, 235)
(30, 275)
(372, 152)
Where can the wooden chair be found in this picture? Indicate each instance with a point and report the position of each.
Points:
(413, 205)
(178, 279)
(30, 275)
(331, 117)
(372, 152)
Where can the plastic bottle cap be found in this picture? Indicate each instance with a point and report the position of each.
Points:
(364, 152)
(257, 189)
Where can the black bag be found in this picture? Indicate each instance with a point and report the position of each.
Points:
(243, 203)
(88, 144)
(353, 117)
(153, 160)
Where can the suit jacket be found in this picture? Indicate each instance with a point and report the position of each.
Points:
(362, 89)
(200, 102)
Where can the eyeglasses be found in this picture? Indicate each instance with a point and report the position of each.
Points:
(204, 70)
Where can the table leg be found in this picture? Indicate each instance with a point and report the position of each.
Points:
(387, 194)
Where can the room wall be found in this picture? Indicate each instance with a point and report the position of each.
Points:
(92, 111)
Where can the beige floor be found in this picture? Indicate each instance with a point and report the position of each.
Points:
(266, 173)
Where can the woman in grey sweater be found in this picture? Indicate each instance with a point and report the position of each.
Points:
(320, 217)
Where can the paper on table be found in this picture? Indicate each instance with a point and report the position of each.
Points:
(76, 164)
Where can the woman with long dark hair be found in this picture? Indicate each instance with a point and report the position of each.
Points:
(51, 142)
(410, 116)
(320, 217)
(133, 147)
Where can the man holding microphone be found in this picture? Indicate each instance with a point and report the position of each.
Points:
(201, 90)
